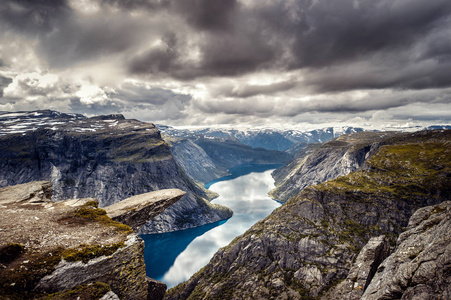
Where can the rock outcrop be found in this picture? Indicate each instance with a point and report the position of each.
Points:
(66, 249)
(420, 266)
(137, 210)
(309, 244)
(107, 157)
(362, 271)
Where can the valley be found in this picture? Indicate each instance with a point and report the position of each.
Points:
(335, 197)
(245, 192)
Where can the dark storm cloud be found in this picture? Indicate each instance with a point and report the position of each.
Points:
(4, 82)
(33, 16)
(158, 59)
(66, 37)
(249, 90)
(207, 14)
(79, 40)
(215, 48)
(316, 36)
(201, 14)
(338, 104)
(341, 30)
(138, 4)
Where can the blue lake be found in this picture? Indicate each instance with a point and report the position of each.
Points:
(173, 257)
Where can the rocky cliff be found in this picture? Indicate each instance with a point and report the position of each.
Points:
(106, 157)
(227, 153)
(317, 163)
(193, 160)
(309, 244)
(418, 268)
(70, 249)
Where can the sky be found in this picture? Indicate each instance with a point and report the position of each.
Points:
(270, 63)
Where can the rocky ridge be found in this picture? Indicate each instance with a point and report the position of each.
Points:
(106, 157)
(309, 244)
(316, 163)
(61, 250)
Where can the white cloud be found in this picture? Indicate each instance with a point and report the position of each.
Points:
(91, 94)
(31, 85)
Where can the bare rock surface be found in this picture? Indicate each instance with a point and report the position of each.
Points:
(362, 271)
(137, 210)
(420, 266)
(42, 225)
(124, 271)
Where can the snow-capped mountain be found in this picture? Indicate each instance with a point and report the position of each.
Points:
(22, 122)
(271, 139)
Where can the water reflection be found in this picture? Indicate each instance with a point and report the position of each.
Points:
(245, 195)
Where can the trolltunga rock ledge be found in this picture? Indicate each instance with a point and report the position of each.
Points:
(137, 210)
(50, 248)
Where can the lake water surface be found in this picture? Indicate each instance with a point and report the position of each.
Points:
(173, 257)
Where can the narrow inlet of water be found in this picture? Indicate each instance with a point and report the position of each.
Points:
(175, 256)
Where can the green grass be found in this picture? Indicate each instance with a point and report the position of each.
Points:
(89, 212)
(85, 253)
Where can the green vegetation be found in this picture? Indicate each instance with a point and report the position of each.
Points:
(85, 253)
(89, 212)
(93, 291)
(407, 172)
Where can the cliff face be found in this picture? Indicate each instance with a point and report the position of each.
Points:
(315, 164)
(193, 160)
(227, 153)
(67, 249)
(105, 157)
(308, 245)
(418, 268)
(206, 159)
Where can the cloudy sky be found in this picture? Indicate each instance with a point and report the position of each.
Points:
(244, 62)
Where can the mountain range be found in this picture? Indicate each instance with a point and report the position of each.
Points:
(366, 215)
